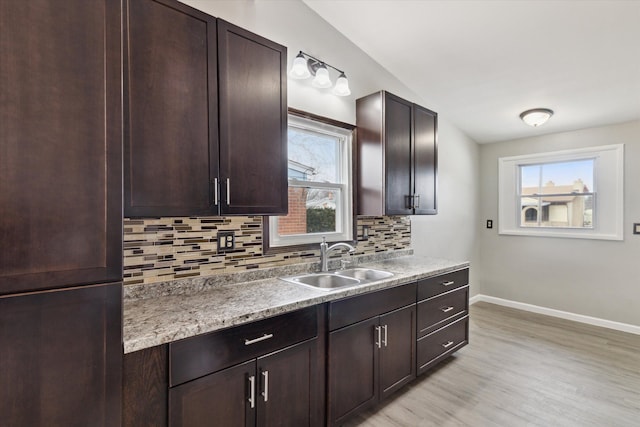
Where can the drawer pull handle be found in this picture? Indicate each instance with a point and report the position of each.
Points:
(262, 338)
(446, 309)
(447, 345)
(448, 283)
(265, 393)
(252, 391)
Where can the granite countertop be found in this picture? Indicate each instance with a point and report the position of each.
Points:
(177, 310)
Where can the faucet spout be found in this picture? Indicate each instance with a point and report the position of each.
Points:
(325, 249)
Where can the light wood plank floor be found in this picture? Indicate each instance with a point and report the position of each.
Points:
(524, 369)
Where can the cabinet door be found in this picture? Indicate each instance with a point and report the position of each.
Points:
(353, 369)
(398, 352)
(398, 156)
(288, 387)
(61, 130)
(425, 160)
(219, 399)
(253, 122)
(61, 357)
(171, 148)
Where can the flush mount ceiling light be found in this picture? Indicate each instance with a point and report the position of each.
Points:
(305, 66)
(536, 117)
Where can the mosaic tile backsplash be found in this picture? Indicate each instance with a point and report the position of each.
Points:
(163, 249)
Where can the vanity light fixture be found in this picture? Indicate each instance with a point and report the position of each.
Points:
(536, 117)
(305, 66)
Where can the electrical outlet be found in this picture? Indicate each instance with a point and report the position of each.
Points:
(489, 223)
(226, 241)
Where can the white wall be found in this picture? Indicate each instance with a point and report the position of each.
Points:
(595, 278)
(453, 232)
(450, 234)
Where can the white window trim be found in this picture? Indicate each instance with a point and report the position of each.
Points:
(344, 222)
(609, 200)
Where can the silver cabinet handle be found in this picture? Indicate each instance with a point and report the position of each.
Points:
(447, 345)
(265, 392)
(379, 336)
(446, 309)
(228, 191)
(449, 283)
(215, 191)
(385, 335)
(416, 201)
(252, 391)
(255, 340)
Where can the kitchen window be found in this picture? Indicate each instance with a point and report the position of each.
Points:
(572, 193)
(320, 184)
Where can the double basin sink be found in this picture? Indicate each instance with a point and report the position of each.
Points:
(339, 279)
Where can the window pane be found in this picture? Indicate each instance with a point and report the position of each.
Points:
(313, 156)
(575, 211)
(311, 210)
(557, 178)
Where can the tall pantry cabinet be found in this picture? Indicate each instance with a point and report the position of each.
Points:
(60, 213)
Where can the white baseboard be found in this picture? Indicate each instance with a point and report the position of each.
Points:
(624, 327)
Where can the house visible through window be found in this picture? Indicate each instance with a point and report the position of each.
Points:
(558, 194)
(320, 196)
(572, 193)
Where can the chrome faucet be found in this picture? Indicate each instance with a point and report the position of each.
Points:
(325, 249)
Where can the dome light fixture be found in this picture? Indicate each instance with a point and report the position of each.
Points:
(305, 66)
(536, 116)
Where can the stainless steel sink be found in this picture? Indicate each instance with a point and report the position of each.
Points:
(367, 274)
(323, 280)
(339, 279)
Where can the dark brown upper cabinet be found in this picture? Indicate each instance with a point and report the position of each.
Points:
(205, 118)
(397, 156)
(253, 122)
(171, 131)
(60, 144)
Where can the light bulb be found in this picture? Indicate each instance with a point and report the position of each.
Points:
(342, 86)
(299, 70)
(322, 79)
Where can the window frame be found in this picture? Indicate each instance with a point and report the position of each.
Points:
(273, 244)
(608, 193)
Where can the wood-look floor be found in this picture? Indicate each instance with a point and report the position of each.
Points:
(524, 369)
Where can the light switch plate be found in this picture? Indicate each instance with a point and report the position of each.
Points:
(489, 223)
(636, 228)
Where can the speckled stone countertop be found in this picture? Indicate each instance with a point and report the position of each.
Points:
(167, 312)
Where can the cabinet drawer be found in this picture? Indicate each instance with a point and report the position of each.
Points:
(198, 356)
(441, 343)
(435, 312)
(351, 310)
(443, 283)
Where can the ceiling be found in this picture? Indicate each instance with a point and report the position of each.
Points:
(480, 63)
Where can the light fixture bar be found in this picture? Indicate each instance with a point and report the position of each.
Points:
(305, 66)
(320, 61)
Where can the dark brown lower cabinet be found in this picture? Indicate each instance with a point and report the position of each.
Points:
(61, 357)
(145, 387)
(370, 360)
(277, 389)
